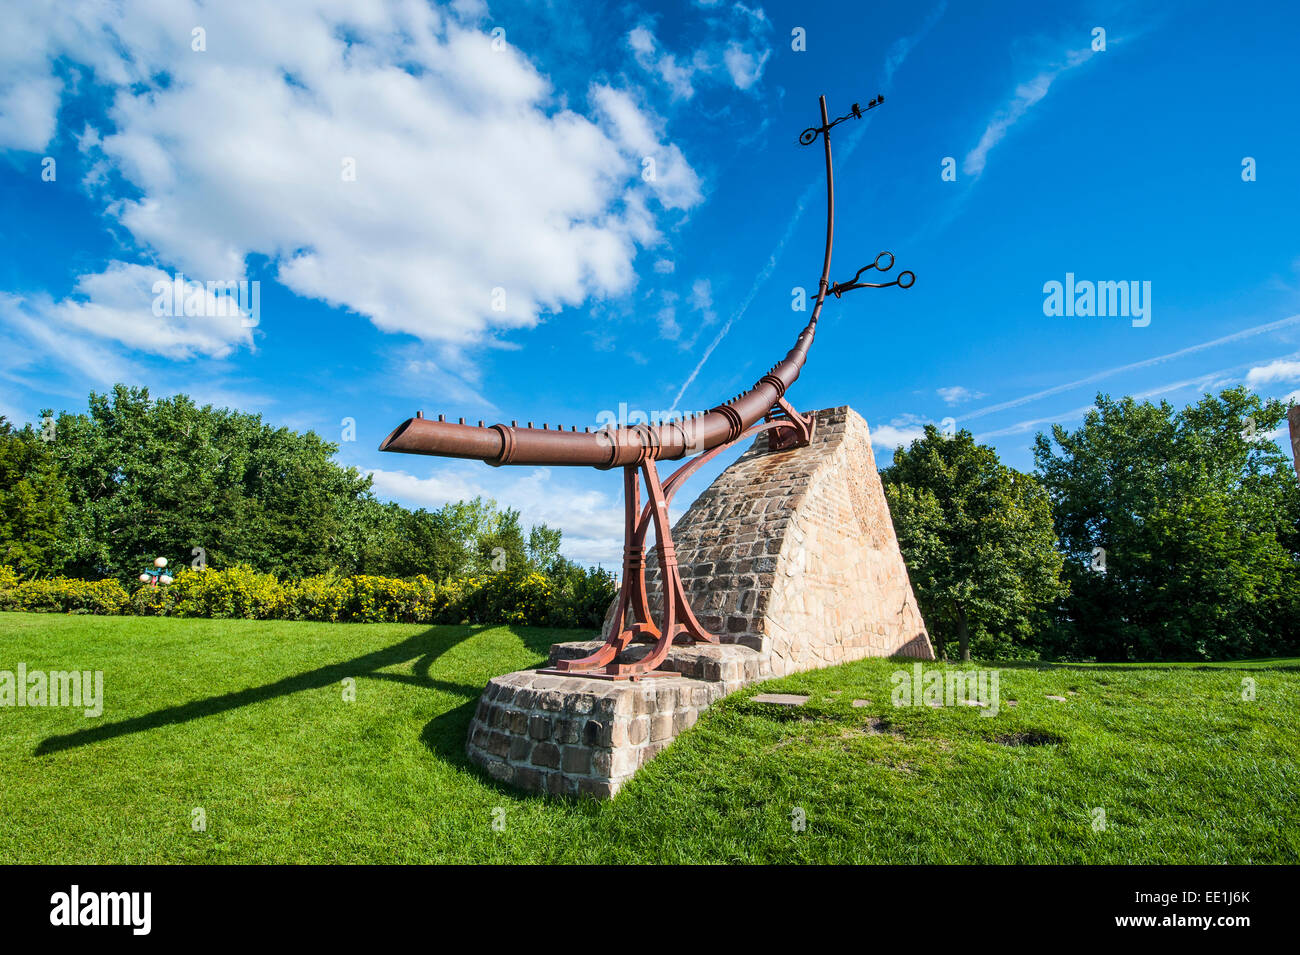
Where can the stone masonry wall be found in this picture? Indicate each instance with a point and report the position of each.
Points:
(793, 553)
(567, 735)
(789, 556)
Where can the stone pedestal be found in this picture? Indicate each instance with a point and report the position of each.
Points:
(793, 553)
(573, 735)
(789, 556)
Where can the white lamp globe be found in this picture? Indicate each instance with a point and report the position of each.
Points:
(160, 562)
(144, 578)
(165, 579)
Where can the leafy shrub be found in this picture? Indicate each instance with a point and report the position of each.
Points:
(321, 598)
(389, 600)
(62, 595)
(240, 592)
(572, 598)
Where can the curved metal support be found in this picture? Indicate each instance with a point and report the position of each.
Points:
(679, 623)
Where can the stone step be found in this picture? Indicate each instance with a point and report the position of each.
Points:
(572, 735)
(728, 663)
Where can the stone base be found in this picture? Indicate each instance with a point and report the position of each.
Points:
(571, 735)
(789, 556)
(793, 553)
(728, 664)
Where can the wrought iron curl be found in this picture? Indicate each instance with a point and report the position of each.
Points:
(809, 135)
(905, 278)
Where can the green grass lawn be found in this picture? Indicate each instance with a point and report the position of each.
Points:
(247, 721)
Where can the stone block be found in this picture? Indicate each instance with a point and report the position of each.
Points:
(789, 557)
(824, 528)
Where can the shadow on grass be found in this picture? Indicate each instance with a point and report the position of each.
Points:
(427, 646)
(445, 734)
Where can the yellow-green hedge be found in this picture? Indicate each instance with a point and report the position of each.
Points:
(62, 595)
(242, 592)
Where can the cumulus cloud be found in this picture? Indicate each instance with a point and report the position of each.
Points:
(1274, 371)
(392, 160)
(670, 178)
(893, 436)
(118, 304)
(591, 521)
(733, 51)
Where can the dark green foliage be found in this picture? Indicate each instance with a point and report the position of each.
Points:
(102, 494)
(1198, 521)
(33, 501)
(977, 538)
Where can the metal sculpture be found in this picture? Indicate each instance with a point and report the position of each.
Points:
(1293, 424)
(636, 450)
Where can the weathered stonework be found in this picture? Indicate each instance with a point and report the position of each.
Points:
(793, 553)
(789, 556)
(567, 735)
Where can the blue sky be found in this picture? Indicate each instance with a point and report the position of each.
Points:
(501, 253)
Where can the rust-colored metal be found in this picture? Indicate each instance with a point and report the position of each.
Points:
(1293, 424)
(763, 407)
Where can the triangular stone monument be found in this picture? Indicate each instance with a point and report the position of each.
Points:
(793, 553)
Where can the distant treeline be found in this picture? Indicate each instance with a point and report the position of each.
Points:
(1148, 533)
(101, 494)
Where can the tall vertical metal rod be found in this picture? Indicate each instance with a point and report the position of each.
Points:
(830, 214)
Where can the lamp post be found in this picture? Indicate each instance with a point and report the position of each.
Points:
(159, 576)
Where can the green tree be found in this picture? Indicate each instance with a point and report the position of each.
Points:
(978, 541)
(1181, 530)
(136, 478)
(33, 502)
(163, 478)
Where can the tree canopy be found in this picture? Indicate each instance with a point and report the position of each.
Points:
(1180, 529)
(978, 541)
(104, 492)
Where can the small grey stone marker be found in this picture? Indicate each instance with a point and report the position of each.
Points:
(1060, 698)
(781, 699)
(861, 702)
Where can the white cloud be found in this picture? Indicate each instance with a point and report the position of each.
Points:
(667, 319)
(1026, 95)
(733, 50)
(591, 521)
(957, 394)
(468, 179)
(674, 182)
(1280, 370)
(117, 304)
(676, 76)
(701, 299)
(745, 66)
(893, 436)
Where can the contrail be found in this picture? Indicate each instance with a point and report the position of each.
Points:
(1199, 381)
(1134, 366)
(893, 60)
